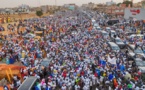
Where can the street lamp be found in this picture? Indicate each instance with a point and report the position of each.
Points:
(55, 2)
(7, 14)
(19, 12)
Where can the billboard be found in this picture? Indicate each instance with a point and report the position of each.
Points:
(136, 13)
(71, 7)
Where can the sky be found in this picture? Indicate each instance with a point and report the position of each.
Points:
(33, 3)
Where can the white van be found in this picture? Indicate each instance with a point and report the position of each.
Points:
(136, 35)
(114, 47)
(112, 33)
(99, 28)
(104, 34)
(108, 28)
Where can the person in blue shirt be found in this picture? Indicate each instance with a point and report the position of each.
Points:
(110, 77)
(122, 67)
(5, 87)
(98, 72)
(48, 88)
(36, 88)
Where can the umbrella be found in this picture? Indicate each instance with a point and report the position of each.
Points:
(127, 76)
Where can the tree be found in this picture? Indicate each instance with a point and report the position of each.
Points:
(119, 4)
(39, 13)
(127, 3)
(95, 8)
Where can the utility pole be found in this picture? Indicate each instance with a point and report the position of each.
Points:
(55, 2)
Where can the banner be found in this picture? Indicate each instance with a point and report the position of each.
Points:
(111, 60)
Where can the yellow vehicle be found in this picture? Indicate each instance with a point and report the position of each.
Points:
(38, 34)
(7, 71)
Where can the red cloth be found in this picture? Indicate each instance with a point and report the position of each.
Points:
(136, 78)
(115, 83)
(95, 74)
(64, 74)
(82, 73)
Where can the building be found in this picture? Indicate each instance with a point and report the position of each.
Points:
(115, 10)
(110, 3)
(138, 5)
(24, 8)
(90, 5)
(70, 6)
(44, 9)
(7, 11)
(143, 3)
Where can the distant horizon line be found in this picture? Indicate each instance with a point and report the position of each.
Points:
(50, 5)
(57, 4)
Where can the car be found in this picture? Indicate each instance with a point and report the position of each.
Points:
(134, 51)
(112, 33)
(140, 64)
(136, 35)
(104, 34)
(108, 29)
(143, 49)
(128, 33)
(114, 47)
(99, 28)
(119, 31)
(29, 35)
(93, 21)
(119, 42)
(96, 25)
(112, 22)
(74, 32)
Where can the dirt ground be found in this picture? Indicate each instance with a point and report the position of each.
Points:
(23, 16)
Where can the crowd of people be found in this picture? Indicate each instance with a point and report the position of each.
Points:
(79, 57)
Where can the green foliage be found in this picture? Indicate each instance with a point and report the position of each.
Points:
(95, 8)
(119, 4)
(39, 13)
(127, 3)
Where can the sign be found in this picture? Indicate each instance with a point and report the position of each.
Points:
(135, 11)
(71, 7)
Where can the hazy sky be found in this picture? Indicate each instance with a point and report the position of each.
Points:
(15, 3)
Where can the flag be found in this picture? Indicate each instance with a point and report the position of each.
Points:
(98, 72)
(102, 63)
(111, 60)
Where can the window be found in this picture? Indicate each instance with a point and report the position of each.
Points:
(138, 51)
(118, 40)
(115, 48)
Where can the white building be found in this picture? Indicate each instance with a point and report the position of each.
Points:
(44, 8)
(110, 3)
(24, 8)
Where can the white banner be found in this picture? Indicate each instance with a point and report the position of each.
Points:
(111, 60)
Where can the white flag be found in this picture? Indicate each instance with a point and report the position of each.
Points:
(111, 60)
